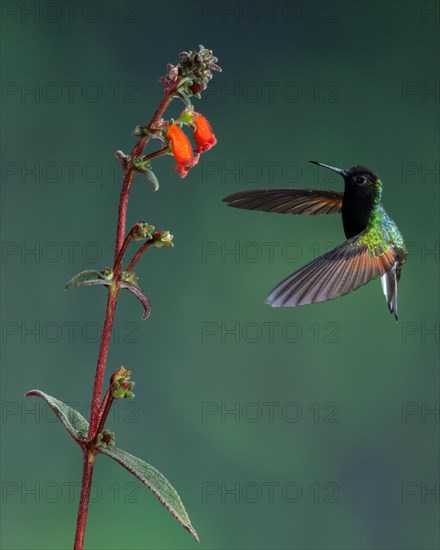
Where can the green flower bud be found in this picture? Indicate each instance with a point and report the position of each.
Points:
(121, 385)
(122, 372)
(162, 239)
(106, 439)
(122, 389)
(192, 73)
(107, 273)
(129, 277)
(141, 231)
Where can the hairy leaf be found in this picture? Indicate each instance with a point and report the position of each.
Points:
(88, 278)
(134, 289)
(73, 421)
(151, 176)
(155, 481)
(144, 167)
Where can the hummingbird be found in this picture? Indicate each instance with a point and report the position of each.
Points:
(374, 246)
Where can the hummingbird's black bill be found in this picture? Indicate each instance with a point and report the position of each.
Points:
(333, 168)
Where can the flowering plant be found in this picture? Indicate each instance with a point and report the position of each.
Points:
(188, 78)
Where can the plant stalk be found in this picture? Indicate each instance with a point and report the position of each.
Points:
(88, 466)
(102, 360)
(138, 254)
(130, 170)
(95, 416)
(106, 409)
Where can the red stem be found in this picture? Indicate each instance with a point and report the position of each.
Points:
(106, 406)
(102, 360)
(104, 403)
(118, 262)
(122, 211)
(138, 254)
(88, 465)
(97, 415)
(157, 153)
(130, 171)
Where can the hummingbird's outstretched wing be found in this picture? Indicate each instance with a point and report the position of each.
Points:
(288, 201)
(347, 267)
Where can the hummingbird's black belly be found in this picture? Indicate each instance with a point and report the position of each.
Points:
(357, 206)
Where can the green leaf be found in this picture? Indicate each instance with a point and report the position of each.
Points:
(151, 177)
(134, 289)
(144, 167)
(155, 481)
(89, 278)
(73, 421)
(122, 158)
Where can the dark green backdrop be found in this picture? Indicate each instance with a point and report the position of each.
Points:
(311, 428)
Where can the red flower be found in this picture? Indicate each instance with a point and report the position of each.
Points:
(203, 135)
(182, 150)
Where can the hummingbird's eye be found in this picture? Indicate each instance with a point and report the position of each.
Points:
(360, 179)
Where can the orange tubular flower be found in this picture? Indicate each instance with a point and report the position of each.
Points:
(182, 150)
(203, 135)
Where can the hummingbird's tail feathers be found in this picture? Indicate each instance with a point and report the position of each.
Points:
(345, 268)
(389, 287)
(288, 201)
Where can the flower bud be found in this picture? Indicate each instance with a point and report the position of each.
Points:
(122, 390)
(196, 70)
(162, 239)
(106, 439)
(129, 277)
(141, 231)
(121, 385)
(122, 372)
(107, 273)
(196, 88)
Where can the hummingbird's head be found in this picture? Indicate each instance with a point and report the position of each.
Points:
(358, 176)
(361, 176)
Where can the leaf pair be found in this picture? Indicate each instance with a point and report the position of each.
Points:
(92, 278)
(78, 427)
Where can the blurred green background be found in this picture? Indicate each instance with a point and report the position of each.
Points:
(330, 443)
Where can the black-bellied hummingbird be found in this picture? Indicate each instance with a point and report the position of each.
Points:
(374, 245)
